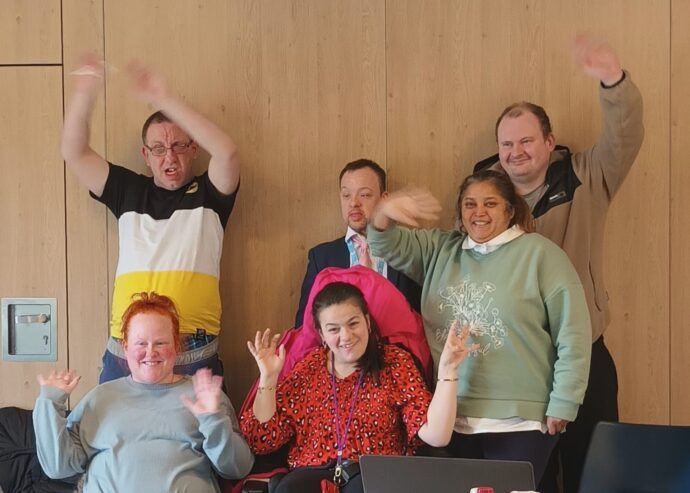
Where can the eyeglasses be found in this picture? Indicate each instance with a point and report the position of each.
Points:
(177, 148)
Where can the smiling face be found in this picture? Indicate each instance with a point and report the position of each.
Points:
(150, 348)
(524, 151)
(345, 330)
(360, 191)
(485, 214)
(171, 171)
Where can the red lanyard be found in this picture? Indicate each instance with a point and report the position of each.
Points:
(340, 444)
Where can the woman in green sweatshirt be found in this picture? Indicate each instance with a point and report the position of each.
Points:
(524, 303)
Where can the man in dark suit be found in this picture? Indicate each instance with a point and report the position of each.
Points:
(362, 185)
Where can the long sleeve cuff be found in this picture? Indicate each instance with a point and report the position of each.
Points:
(53, 394)
(562, 409)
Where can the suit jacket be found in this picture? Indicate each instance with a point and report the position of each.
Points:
(335, 254)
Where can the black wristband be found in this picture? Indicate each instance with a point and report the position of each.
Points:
(614, 84)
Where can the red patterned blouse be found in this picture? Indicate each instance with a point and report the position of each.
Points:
(386, 418)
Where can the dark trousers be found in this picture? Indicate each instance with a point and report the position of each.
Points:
(529, 446)
(308, 480)
(600, 404)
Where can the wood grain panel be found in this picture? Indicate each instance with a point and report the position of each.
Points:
(30, 32)
(32, 210)
(305, 86)
(680, 220)
(637, 242)
(444, 95)
(300, 86)
(88, 282)
(453, 66)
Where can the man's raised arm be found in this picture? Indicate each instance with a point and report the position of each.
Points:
(90, 167)
(224, 166)
(621, 103)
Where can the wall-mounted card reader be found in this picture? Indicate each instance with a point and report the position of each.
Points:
(29, 329)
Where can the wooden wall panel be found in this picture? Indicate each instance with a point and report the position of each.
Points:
(88, 282)
(680, 219)
(32, 210)
(434, 86)
(453, 66)
(304, 86)
(637, 243)
(30, 32)
(300, 86)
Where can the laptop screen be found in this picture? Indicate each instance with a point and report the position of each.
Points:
(404, 474)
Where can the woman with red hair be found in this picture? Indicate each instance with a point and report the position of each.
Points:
(151, 431)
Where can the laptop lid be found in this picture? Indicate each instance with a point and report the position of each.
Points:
(404, 474)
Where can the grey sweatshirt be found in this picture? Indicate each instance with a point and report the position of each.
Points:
(129, 436)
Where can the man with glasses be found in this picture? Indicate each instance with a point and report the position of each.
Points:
(170, 225)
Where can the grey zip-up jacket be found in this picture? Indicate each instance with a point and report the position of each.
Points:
(581, 185)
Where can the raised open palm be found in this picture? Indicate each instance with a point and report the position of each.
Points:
(146, 83)
(207, 390)
(455, 350)
(410, 207)
(65, 380)
(269, 357)
(89, 74)
(597, 58)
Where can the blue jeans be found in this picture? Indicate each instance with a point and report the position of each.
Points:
(187, 363)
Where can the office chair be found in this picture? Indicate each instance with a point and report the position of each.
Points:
(632, 458)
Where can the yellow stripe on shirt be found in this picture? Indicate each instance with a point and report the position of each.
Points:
(196, 295)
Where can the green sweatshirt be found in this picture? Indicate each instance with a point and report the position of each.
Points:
(527, 309)
(129, 436)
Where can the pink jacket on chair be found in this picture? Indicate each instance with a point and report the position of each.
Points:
(398, 323)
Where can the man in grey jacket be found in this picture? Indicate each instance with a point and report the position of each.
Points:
(569, 195)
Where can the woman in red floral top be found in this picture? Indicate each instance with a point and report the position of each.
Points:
(353, 394)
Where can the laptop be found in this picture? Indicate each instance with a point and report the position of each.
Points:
(405, 474)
